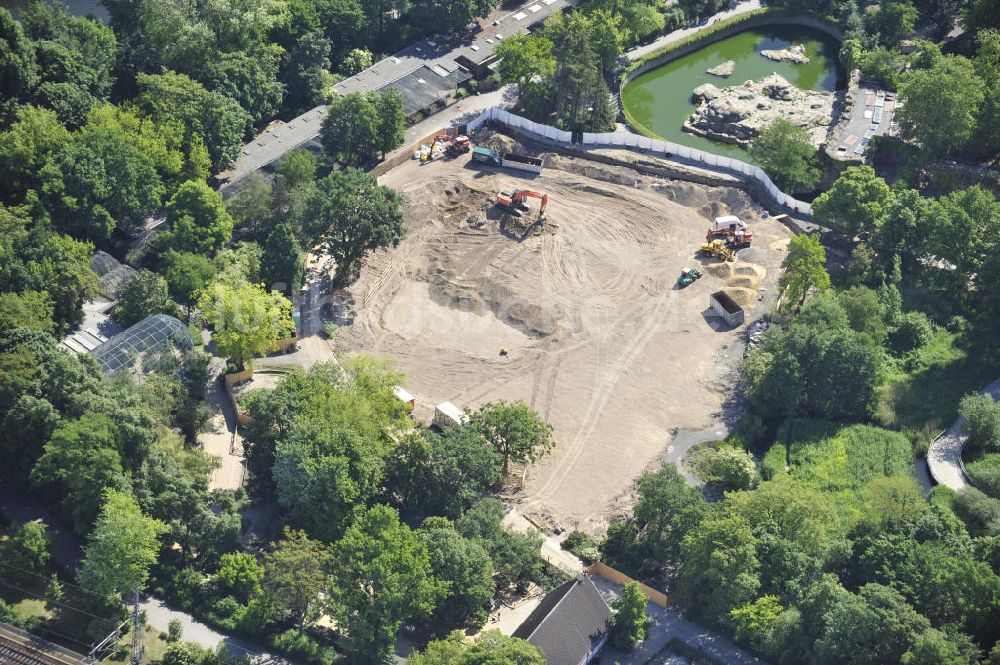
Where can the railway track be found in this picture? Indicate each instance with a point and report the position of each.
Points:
(17, 648)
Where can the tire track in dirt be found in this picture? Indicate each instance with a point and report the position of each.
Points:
(598, 402)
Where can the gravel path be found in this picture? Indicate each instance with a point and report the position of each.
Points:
(944, 457)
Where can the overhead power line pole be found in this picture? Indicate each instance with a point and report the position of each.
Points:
(137, 647)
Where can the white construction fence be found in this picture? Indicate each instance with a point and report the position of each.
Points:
(663, 149)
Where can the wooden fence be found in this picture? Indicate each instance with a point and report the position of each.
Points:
(607, 572)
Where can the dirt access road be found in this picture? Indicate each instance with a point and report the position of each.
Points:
(600, 341)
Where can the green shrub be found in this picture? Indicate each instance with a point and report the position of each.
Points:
(732, 467)
(183, 587)
(583, 546)
(299, 646)
(749, 431)
(985, 474)
(774, 462)
(982, 421)
(914, 331)
(197, 338)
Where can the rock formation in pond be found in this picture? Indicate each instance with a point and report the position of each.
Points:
(738, 113)
(796, 54)
(725, 69)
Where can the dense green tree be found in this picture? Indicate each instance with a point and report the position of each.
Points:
(492, 648)
(941, 105)
(933, 647)
(198, 218)
(785, 151)
(629, 624)
(295, 575)
(865, 312)
(18, 69)
(247, 320)
(31, 309)
(448, 16)
(31, 140)
(577, 95)
(26, 552)
(755, 622)
(665, 510)
(856, 202)
(352, 214)
(143, 294)
(904, 232)
(965, 233)
(441, 474)
(515, 556)
(734, 468)
(390, 129)
(805, 271)
(982, 421)
(875, 626)
(177, 157)
(250, 78)
(516, 432)
(382, 576)
(357, 60)
(525, 61)
(98, 183)
(306, 71)
(187, 274)
(892, 21)
(350, 129)
(464, 570)
(217, 119)
(815, 369)
(121, 549)
(240, 574)
(281, 265)
(90, 40)
(719, 569)
(82, 459)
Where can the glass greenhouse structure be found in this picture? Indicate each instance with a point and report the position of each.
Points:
(152, 336)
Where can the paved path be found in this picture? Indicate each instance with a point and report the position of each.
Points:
(552, 551)
(944, 457)
(681, 33)
(218, 440)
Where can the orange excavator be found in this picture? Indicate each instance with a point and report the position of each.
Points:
(514, 202)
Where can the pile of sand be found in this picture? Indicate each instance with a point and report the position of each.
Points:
(743, 297)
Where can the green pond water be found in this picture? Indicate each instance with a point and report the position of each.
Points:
(661, 99)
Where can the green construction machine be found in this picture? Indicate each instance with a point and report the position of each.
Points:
(688, 276)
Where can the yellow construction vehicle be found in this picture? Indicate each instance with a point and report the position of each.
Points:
(718, 249)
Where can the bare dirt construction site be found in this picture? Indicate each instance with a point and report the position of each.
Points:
(599, 339)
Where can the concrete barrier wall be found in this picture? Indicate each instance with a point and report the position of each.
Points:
(607, 572)
(659, 148)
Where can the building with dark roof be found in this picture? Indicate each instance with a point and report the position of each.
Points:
(570, 625)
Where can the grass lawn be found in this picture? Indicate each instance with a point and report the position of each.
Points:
(155, 647)
(920, 396)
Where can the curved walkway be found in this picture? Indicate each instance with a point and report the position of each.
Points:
(681, 33)
(944, 457)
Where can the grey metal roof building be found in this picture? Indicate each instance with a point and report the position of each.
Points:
(112, 274)
(153, 335)
(423, 72)
(570, 625)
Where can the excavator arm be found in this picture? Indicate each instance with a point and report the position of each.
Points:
(522, 194)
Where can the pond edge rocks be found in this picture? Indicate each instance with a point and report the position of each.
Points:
(737, 114)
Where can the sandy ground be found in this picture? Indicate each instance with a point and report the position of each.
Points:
(601, 343)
